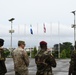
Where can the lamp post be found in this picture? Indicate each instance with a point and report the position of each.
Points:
(74, 26)
(11, 31)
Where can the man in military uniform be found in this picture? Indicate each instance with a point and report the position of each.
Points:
(3, 69)
(72, 67)
(44, 60)
(21, 59)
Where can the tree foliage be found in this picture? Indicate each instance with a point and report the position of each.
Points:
(63, 54)
(7, 53)
(34, 52)
(65, 49)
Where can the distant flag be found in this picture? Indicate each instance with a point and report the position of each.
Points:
(31, 31)
(44, 28)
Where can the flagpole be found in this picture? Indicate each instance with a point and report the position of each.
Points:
(30, 51)
(51, 29)
(25, 29)
(18, 29)
(44, 27)
(31, 30)
(37, 37)
(37, 28)
(51, 33)
(59, 40)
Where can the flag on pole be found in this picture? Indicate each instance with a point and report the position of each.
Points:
(44, 28)
(31, 31)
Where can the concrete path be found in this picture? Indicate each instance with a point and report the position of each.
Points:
(61, 69)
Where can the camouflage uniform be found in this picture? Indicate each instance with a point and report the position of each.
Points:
(21, 61)
(72, 68)
(3, 69)
(44, 61)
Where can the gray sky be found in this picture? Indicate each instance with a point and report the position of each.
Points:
(35, 12)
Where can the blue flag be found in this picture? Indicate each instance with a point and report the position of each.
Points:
(31, 31)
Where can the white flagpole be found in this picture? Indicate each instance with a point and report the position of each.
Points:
(37, 28)
(59, 40)
(51, 33)
(30, 52)
(51, 30)
(37, 37)
(18, 29)
(25, 29)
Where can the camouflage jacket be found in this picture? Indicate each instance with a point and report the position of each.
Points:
(21, 59)
(2, 55)
(72, 68)
(44, 61)
(3, 69)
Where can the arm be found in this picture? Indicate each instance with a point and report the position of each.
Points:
(49, 60)
(69, 73)
(2, 55)
(52, 61)
(71, 67)
(25, 58)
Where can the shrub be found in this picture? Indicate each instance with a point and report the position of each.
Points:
(7, 53)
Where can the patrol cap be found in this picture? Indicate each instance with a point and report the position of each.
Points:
(43, 43)
(21, 42)
(1, 40)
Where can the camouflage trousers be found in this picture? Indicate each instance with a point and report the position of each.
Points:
(74, 73)
(21, 72)
(2, 73)
(44, 73)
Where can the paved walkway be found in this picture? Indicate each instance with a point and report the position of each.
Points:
(61, 69)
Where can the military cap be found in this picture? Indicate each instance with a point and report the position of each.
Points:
(21, 42)
(43, 43)
(1, 40)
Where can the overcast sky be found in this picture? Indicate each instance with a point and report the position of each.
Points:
(37, 12)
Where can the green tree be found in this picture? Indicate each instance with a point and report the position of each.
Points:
(28, 52)
(55, 53)
(34, 52)
(63, 54)
(7, 53)
(66, 47)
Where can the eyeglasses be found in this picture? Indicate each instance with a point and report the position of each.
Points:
(24, 44)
